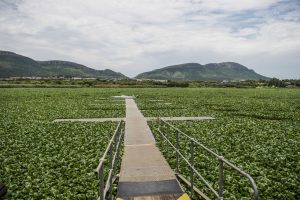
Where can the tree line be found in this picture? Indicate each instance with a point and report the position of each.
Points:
(274, 82)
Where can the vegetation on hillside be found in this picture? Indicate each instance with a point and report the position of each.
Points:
(228, 71)
(14, 65)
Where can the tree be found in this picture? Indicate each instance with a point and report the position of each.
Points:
(276, 82)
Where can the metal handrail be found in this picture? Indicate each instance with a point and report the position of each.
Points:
(190, 163)
(112, 151)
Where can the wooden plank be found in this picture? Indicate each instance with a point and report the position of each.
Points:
(145, 174)
(137, 130)
(90, 120)
(180, 118)
(159, 197)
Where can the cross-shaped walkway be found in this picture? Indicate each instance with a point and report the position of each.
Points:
(145, 174)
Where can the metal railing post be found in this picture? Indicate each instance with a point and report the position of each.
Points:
(161, 138)
(191, 168)
(158, 120)
(110, 184)
(168, 138)
(110, 156)
(101, 183)
(221, 175)
(110, 171)
(177, 152)
(115, 139)
(118, 150)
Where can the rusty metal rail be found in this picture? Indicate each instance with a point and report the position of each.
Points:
(110, 160)
(218, 193)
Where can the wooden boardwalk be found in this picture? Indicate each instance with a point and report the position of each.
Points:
(119, 119)
(145, 174)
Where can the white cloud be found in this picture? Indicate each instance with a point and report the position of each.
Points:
(236, 5)
(136, 35)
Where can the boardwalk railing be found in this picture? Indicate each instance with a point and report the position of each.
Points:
(109, 162)
(190, 162)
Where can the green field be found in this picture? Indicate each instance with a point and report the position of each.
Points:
(256, 129)
(40, 159)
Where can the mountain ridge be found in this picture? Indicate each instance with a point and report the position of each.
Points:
(230, 71)
(16, 65)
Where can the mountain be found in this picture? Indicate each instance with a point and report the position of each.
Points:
(210, 72)
(70, 69)
(15, 65)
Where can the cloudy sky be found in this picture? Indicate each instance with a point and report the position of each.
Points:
(133, 36)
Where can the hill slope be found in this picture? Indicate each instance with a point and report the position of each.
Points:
(208, 72)
(14, 65)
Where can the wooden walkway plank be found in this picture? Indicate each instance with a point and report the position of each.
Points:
(145, 174)
(179, 118)
(137, 130)
(147, 118)
(90, 120)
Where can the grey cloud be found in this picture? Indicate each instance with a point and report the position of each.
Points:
(138, 35)
(9, 4)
